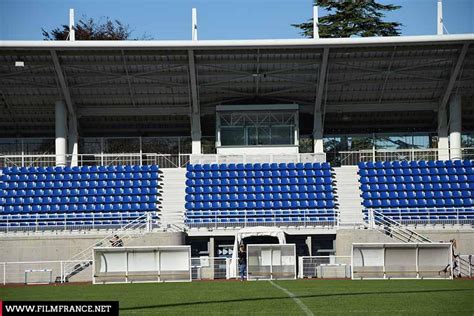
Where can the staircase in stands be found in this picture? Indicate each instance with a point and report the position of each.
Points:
(173, 199)
(127, 233)
(348, 196)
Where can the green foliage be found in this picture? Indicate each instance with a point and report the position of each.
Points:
(90, 29)
(348, 18)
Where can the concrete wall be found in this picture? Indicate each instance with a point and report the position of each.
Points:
(346, 237)
(63, 247)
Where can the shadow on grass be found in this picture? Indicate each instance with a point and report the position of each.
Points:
(287, 297)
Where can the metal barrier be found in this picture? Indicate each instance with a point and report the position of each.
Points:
(465, 266)
(20, 272)
(261, 158)
(163, 160)
(350, 158)
(324, 267)
(62, 222)
(209, 268)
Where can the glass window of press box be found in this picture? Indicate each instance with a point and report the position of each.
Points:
(257, 128)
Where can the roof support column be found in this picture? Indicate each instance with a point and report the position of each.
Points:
(455, 126)
(61, 133)
(318, 113)
(196, 133)
(195, 108)
(443, 141)
(73, 140)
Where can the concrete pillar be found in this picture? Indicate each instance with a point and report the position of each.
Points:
(443, 141)
(196, 133)
(455, 127)
(318, 132)
(73, 140)
(61, 133)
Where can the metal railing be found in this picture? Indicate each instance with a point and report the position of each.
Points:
(15, 272)
(272, 221)
(163, 160)
(260, 158)
(394, 229)
(126, 233)
(33, 223)
(349, 158)
(465, 266)
(209, 268)
(324, 267)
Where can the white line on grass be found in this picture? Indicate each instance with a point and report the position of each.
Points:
(296, 299)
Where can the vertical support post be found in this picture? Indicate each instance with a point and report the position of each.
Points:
(371, 219)
(309, 244)
(455, 126)
(443, 141)
(318, 113)
(73, 140)
(440, 17)
(212, 255)
(315, 22)
(4, 273)
(196, 133)
(148, 222)
(61, 133)
(194, 31)
(72, 32)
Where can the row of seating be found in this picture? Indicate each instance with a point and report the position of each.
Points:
(257, 174)
(417, 179)
(377, 203)
(82, 192)
(417, 194)
(415, 164)
(250, 213)
(82, 169)
(77, 184)
(280, 220)
(423, 211)
(94, 207)
(416, 171)
(65, 224)
(251, 205)
(431, 218)
(26, 192)
(259, 196)
(419, 190)
(259, 189)
(81, 176)
(258, 166)
(79, 199)
(463, 186)
(72, 215)
(258, 181)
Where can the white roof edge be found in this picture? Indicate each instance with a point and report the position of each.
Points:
(188, 44)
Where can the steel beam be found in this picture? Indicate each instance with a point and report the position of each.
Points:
(454, 76)
(63, 83)
(318, 112)
(128, 111)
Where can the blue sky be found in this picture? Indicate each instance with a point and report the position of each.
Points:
(217, 19)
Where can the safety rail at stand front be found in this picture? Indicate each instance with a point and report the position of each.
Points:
(352, 158)
(163, 160)
(324, 267)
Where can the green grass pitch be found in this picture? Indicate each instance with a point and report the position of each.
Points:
(425, 297)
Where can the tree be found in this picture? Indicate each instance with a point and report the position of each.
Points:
(89, 29)
(348, 18)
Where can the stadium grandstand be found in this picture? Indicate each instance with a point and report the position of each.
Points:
(330, 141)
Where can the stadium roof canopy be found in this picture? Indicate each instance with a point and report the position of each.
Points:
(149, 87)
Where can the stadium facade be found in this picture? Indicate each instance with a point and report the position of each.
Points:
(329, 140)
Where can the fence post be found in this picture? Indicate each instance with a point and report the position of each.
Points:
(62, 271)
(148, 222)
(4, 273)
